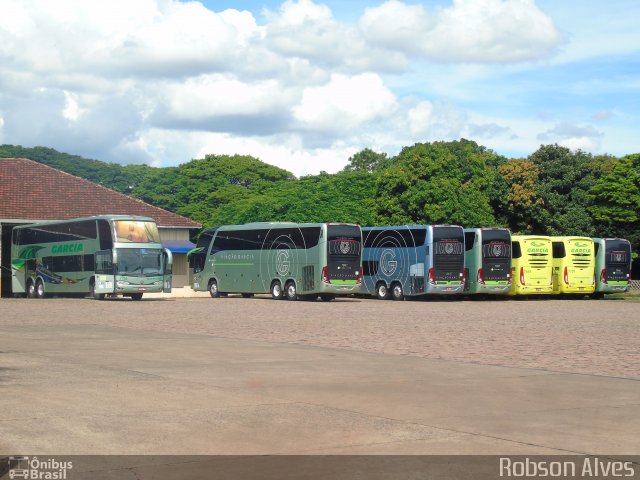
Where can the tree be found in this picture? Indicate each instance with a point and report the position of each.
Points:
(615, 201)
(524, 207)
(367, 161)
(564, 178)
(442, 182)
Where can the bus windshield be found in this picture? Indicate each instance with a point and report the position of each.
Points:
(133, 231)
(139, 261)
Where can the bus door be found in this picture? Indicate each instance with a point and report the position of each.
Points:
(105, 278)
(167, 263)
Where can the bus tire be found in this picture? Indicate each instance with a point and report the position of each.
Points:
(396, 291)
(290, 291)
(327, 297)
(40, 293)
(382, 292)
(276, 290)
(92, 291)
(213, 289)
(31, 289)
(136, 296)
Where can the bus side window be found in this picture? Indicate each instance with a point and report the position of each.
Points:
(516, 252)
(597, 247)
(106, 236)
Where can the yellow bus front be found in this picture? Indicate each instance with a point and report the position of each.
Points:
(573, 265)
(531, 265)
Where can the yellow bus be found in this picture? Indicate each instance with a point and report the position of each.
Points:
(531, 265)
(574, 265)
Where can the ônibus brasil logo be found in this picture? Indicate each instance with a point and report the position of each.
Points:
(34, 468)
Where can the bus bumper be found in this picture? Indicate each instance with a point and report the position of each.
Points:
(449, 289)
(526, 290)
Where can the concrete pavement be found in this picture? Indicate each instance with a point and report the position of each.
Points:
(88, 389)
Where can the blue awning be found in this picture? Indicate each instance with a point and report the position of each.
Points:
(178, 246)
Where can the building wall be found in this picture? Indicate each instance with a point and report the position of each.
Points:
(180, 267)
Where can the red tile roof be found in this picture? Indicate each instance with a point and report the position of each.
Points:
(33, 191)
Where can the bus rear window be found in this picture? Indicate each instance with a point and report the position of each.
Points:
(496, 244)
(448, 241)
(344, 239)
(618, 252)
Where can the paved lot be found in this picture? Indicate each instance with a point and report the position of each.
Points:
(255, 376)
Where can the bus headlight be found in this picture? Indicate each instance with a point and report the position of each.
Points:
(121, 283)
(159, 282)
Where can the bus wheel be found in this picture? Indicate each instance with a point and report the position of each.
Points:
(247, 295)
(31, 289)
(276, 290)
(327, 297)
(136, 296)
(213, 289)
(290, 291)
(396, 291)
(382, 292)
(40, 289)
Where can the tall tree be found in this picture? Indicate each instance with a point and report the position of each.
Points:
(441, 182)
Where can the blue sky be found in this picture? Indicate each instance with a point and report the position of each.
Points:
(305, 84)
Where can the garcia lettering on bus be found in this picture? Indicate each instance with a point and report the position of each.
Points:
(67, 248)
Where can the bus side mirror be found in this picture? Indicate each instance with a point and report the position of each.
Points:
(168, 261)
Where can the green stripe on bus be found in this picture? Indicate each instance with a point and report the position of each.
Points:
(343, 282)
(623, 282)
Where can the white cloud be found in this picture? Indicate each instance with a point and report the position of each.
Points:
(344, 103)
(420, 118)
(491, 31)
(164, 81)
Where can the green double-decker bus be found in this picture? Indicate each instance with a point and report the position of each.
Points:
(104, 255)
(288, 260)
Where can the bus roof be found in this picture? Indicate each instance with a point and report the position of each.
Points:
(477, 229)
(93, 217)
(385, 227)
(270, 225)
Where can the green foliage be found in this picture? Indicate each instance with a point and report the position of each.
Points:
(564, 177)
(615, 201)
(554, 191)
(439, 183)
(367, 161)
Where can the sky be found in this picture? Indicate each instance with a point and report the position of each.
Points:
(305, 84)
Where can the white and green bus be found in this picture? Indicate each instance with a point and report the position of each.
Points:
(612, 265)
(288, 260)
(104, 255)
